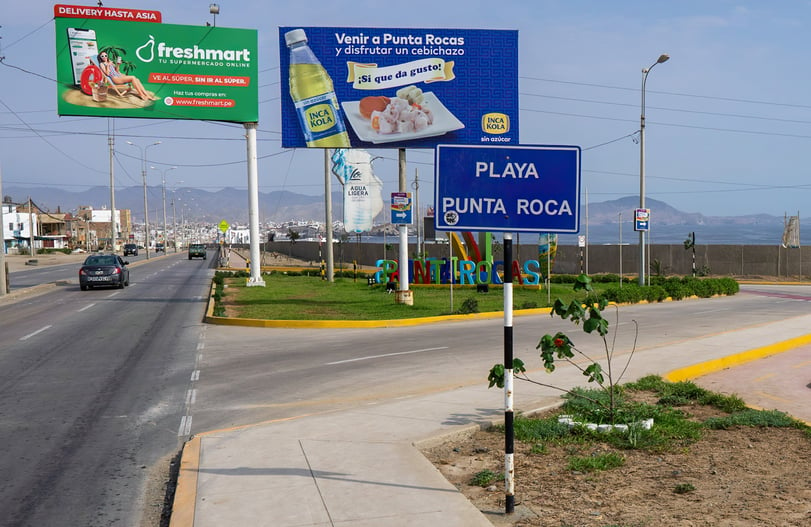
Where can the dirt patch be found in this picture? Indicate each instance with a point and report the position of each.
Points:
(736, 477)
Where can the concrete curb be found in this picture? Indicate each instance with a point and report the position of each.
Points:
(183, 505)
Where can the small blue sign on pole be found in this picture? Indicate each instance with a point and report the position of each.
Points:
(641, 219)
(401, 208)
(507, 188)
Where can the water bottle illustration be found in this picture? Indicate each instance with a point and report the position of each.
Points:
(363, 199)
(314, 96)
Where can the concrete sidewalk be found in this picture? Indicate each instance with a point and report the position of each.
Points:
(363, 467)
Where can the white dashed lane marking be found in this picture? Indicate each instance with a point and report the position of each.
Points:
(37, 332)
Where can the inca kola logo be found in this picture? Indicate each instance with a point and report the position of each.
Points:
(495, 123)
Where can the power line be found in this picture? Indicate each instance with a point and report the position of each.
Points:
(675, 94)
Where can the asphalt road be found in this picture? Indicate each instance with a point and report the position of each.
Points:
(251, 375)
(93, 390)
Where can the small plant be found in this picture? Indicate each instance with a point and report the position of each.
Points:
(658, 268)
(539, 449)
(596, 462)
(471, 305)
(635, 434)
(485, 478)
(684, 488)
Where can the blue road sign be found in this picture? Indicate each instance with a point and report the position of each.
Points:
(401, 208)
(507, 188)
(641, 219)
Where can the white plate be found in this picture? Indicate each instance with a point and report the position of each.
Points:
(444, 122)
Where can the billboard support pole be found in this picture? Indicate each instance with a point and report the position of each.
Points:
(328, 214)
(509, 434)
(253, 207)
(403, 296)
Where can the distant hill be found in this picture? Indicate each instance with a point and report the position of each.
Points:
(668, 225)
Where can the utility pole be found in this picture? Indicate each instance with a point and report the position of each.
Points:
(31, 227)
(3, 270)
(113, 229)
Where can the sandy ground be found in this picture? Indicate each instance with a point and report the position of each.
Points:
(738, 477)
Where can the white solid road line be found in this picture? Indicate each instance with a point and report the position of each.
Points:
(185, 426)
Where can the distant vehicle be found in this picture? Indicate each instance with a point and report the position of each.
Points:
(104, 270)
(197, 250)
(159, 247)
(130, 248)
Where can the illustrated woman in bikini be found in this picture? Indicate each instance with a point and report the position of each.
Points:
(110, 71)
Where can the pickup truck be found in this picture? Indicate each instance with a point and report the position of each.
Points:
(197, 250)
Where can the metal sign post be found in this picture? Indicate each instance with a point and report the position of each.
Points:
(509, 429)
(507, 189)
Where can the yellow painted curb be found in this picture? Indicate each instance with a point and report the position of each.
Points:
(704, 368)
(185, 498)
(405, 322)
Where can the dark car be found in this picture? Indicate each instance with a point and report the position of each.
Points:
(130, 248)
(159, 247)
(104, 270)
(197, 250)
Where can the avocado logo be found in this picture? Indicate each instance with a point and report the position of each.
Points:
(495, 123)
(149, 48)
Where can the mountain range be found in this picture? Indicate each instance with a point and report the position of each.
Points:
(599, 221)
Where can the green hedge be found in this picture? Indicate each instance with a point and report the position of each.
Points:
(675, 288)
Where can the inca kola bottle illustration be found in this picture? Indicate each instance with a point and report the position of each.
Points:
(314, 96)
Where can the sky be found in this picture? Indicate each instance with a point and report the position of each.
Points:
(728, 120)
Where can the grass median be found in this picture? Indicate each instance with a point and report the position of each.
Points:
(289, 297)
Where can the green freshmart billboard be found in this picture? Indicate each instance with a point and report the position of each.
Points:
(117, 68)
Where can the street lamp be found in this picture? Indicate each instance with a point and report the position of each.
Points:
(214, 9)
(645, 71)
(143, 175)
(174, 218)
(163, 192)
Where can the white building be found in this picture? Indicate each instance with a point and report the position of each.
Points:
(17, 227)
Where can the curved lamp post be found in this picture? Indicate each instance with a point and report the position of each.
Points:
(143, 175)
(645, 71)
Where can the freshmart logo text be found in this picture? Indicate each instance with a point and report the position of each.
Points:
(147, 53)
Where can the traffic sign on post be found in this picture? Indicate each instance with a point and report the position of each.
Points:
(401, 208)
(507, 188)
(641, 219)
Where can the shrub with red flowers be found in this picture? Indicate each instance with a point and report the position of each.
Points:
(588, 313)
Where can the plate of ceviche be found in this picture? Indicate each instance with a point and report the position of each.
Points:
(387, 120)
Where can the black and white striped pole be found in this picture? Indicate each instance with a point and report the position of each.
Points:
(509, 434)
